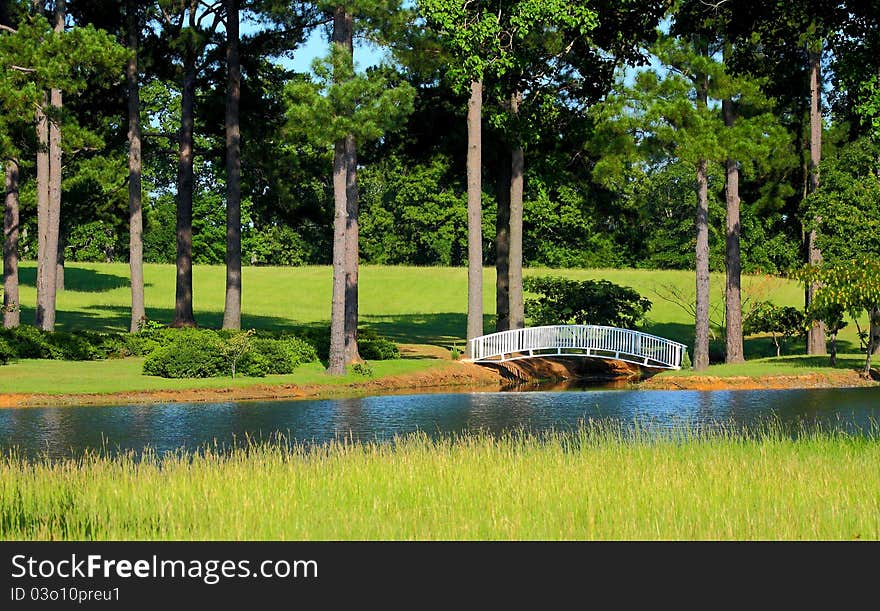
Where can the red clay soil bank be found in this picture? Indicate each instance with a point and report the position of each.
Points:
(843, 379)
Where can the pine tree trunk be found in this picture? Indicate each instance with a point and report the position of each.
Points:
(502, 241)
(701, 328)
(336, 365)
(183, 300)
(816, 334)
(11, 304)
(59, 264)
(135, 210)
(53, 227)
(515, 272)
(42, 210)
(701, 306)
(474, 213)
(232, 310)
(345, 37)
(352, 252)
(342, 36)
(733, 262)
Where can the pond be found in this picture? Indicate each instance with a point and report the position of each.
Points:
(69, 431)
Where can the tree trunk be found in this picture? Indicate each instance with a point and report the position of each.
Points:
(232, 310)
(336, 365)
(474, 213)
(701, 306)
(53, 226)
(874, 330)
(42, 210)
(701, 329)
(59, 264)
(135, 210)
(183, 301)
(342, 35)
(816, 334)
(733, 263)
(11, 304)
(515, 272)
(352, 252)
(502, 241)
(874, 315)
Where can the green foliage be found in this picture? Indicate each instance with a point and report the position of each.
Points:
(852, 287)
(781, 322)
(204, 353)
(686, 360)
(844, 210)
(362, 369)
(193, 353)
(379, 349)
(6, 352)
(27, 342)
(90, 242)
(341, 102)
(588, 302)
(237, 346)
(284, 354)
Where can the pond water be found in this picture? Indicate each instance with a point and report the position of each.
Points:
(69, 431)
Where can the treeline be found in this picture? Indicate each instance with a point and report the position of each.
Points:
(520, 132)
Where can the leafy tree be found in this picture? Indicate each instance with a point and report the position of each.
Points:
(848, 286)
(586, 302)
(781, 322)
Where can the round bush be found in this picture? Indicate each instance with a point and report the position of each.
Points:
(6, 352)
(192, 354)
(378, 349)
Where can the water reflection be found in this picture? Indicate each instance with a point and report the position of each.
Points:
(67, 431)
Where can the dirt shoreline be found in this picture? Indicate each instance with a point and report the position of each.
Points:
(457, 376)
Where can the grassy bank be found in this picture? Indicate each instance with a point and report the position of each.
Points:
(593, 485)
(423, 305)
(124, 375)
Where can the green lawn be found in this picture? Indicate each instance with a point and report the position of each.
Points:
(124, 375)
(593, 485)
(421, 305)
(411, 304)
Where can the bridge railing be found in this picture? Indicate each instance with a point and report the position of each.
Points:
(579, 340)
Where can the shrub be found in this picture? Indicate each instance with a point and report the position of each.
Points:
(193, 353)
(31, 343)
(378, 349)
(6, 352)
(285, 354)
(72, 347)
(587, 302)
(362, 369)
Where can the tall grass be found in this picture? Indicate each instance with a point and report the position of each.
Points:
(598, 483)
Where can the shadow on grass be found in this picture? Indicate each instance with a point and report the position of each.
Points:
(116, 318)
(78, 279)
(446, 329)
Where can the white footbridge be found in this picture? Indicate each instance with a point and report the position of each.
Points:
(589, 341)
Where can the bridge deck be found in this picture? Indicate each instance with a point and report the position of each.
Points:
(591, 341)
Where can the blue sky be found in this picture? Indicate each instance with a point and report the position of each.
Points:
(365, 54)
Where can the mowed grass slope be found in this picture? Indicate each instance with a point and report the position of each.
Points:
(409, 304)
(414, 305)
(592, 485)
